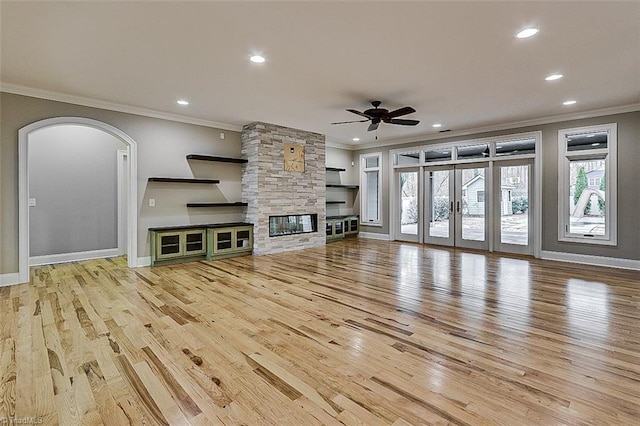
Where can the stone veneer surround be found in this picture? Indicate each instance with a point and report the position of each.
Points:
(270, 191)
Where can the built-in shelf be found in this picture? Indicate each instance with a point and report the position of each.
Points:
(335, 169)
(183, 180)
(335, 185)
(215, 158)
(203, 205)
(336, 202)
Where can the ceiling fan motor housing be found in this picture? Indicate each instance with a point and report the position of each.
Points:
(377, 115)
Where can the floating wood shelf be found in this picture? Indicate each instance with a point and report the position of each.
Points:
(336, 202)
(203, 205)
(333, 185)
(215, 158)
(335, 169)
(183, 180)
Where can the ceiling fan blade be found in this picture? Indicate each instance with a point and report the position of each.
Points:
(401, 111)
(373, 126)
(354, 121)
(403, 122)
(358, 112)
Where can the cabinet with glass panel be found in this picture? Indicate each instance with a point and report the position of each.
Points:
(227, 241)
(173, 243)
(340, 226)
(191, 242)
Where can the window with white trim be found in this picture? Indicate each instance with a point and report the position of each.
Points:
(370, 189)
(587, 177)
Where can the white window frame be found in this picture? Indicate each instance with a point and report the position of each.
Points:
(611, 177)
(364, 220)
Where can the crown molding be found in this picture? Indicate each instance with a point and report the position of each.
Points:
(506, 126)
(112, 106)
(340, 146)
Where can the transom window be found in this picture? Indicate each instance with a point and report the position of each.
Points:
(522, 145)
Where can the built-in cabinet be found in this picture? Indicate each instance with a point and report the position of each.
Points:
(190, 242)
(210, 241)
(339, 227)
(229, 241)
(351, 225)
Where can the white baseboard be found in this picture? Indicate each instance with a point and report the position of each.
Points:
(143, 261)
(374, 236)
(612, 262)
(72, 257)
(9, 279)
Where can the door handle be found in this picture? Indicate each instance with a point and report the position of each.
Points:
(451, 208)
(458, 206)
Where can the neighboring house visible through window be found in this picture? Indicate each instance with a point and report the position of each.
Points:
(370, 189)
(587, 179)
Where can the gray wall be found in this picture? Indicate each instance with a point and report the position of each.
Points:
(162, 147)
(73, 178)
(628, 180)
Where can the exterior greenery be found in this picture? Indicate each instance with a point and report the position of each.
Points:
(519, 205)
(601, 202)
(581, 184)
(440, 209)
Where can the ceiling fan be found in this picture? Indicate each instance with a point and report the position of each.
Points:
(377, 115)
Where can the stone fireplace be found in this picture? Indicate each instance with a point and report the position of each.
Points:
(272, 191)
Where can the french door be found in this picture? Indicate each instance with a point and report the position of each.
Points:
(480, 205)
(408, 205)
(513, 223)
(456, 205)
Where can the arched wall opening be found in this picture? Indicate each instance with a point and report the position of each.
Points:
(95, 243)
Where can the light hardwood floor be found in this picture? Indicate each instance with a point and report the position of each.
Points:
(357, 332)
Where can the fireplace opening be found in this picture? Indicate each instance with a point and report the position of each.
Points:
(292, 224)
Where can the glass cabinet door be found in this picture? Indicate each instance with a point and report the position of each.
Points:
(169, 245)
(338, 227)
(329, 228)
(194, 242)
(243, 239)
(223, 240)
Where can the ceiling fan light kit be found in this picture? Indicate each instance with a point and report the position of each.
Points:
(382, 115)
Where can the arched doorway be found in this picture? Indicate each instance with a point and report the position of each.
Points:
(23, 170)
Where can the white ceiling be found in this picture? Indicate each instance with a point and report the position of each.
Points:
(457, 63)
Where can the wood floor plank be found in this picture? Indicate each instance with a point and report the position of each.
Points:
(355, 332)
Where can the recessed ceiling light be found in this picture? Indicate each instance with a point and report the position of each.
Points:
(527, 32)
(436, 125)
(258, 59)
(572, 102)
(356, 139)
(554, 77)
(182, 102)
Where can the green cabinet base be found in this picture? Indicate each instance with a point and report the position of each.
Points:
(197, 242)
(339, 227)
